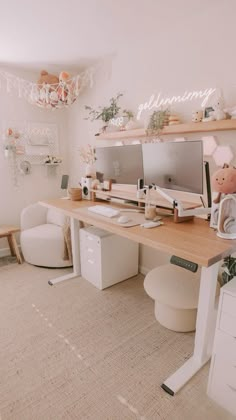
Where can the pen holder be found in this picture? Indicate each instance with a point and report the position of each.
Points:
(75, 194)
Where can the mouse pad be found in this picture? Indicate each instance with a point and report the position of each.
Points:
(135, 219)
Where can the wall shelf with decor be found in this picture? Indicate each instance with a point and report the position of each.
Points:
(222, 125)
(28, 144)
(52, 164)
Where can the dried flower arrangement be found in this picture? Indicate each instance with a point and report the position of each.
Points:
(87, 154)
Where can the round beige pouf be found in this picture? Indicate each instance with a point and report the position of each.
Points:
(175, 291)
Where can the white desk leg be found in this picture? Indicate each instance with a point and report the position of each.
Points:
(203, 338)
(74, 225)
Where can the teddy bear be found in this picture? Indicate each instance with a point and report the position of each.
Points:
(218, 107)
(64, 86)
(197, 116)
(47, 89)
(47, 78)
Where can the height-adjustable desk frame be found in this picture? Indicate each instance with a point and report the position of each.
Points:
(192, 240)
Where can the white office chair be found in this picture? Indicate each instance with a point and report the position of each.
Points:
(42, 238)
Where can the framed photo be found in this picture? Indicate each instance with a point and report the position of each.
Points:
(207, 111)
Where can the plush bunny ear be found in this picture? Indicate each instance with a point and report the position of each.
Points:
(217, 94)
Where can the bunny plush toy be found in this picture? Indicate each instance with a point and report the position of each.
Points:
(218, 113)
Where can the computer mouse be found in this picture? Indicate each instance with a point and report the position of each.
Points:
(123, 219)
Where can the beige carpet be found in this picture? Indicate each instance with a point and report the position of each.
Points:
(73, 352)
(7, 260)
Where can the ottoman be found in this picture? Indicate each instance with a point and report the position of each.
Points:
(175, 292)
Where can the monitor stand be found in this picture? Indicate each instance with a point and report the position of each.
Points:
(208, 186)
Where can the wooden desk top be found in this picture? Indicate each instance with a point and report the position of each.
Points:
(193, 240)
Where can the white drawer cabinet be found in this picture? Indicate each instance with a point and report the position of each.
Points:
(106, 258)
(222, 378)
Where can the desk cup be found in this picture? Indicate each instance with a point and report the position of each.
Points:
(150, 212)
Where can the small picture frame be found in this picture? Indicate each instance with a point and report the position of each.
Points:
(107, 184)
(206, 113)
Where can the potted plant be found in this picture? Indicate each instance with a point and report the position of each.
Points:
(157, 121)
(105, 113)
(229, 269)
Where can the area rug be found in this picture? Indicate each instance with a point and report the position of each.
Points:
(72, 351)
(7, 260)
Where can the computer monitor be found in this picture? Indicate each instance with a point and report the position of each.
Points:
(174, 165)
(121, 164)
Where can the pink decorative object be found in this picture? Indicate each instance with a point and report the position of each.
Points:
(209, 145)
(222, 154)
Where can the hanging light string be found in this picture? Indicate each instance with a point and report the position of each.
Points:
(50, 96)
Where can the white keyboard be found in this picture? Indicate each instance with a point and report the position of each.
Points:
(104, 211)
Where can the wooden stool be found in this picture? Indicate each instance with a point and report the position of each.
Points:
(8, 232)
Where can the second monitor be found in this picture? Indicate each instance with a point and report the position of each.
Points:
(174, 165)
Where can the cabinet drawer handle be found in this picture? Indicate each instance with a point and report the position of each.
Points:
(90, 250)
(90, 238)
(91, 261)
(231, 387)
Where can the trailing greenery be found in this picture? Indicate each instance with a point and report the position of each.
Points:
(105, 113)
(229, 266)
(157, 121)
(127, 113)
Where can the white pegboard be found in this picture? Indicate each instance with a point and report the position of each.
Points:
(31, 142)
(35, 140)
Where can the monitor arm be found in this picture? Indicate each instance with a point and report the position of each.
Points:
(177, 204)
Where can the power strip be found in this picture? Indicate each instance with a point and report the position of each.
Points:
(181, 262)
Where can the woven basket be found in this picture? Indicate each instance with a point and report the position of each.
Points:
(75, 194)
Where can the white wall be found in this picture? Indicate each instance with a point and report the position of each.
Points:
(38, 184)
(167, 47)
(156, 46)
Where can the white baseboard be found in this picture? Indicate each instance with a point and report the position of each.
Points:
(143, 270)
(4, 252)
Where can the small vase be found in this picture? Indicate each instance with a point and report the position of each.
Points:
(132, 124)
(90, 170)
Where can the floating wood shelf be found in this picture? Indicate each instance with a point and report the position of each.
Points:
(222, 125)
